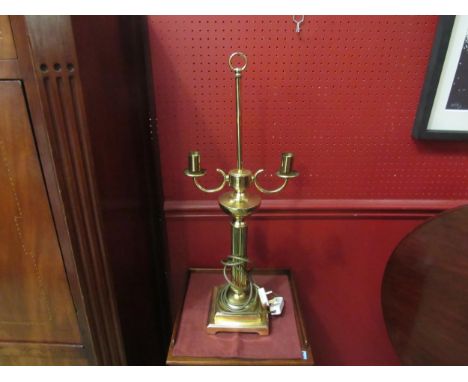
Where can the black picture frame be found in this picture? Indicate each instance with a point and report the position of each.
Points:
(431, 83)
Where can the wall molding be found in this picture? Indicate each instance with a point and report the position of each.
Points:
(318, 208)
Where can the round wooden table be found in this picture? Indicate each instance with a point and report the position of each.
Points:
(425, 292)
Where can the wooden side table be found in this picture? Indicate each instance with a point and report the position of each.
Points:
(190, 344)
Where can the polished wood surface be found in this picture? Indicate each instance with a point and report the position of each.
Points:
(42, 354)
(7, 43)
(424, 292)
(35, 301)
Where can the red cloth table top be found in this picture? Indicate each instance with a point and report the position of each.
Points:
(193, 341)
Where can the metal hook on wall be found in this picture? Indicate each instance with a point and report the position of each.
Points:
(298, 20)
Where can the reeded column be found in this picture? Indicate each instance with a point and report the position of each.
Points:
(239, 253)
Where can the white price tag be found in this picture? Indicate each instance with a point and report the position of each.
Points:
(276, 306)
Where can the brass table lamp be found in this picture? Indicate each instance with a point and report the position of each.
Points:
(236, 305)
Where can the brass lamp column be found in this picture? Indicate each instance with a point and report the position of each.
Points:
(235, 305)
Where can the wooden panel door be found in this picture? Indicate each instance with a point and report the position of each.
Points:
(35, 300)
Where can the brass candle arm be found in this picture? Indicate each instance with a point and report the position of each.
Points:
(264, 190)
(211, 190)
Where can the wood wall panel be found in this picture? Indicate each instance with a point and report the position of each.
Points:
(35, 302)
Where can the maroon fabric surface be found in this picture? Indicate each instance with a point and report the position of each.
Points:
(192, 339)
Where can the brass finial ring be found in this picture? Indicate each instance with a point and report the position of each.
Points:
(243, 56)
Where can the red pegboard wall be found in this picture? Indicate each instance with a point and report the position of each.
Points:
(342, 95)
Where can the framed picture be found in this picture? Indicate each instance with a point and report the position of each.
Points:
(443, 106)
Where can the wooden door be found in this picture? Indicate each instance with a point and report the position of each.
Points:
(36, 308)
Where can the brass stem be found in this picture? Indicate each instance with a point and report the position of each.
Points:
(238, 120)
